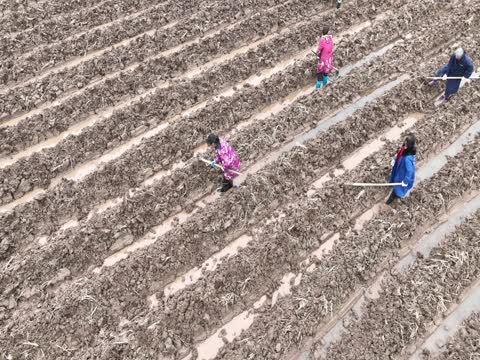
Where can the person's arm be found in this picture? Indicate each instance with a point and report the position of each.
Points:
(469, 68)
(450, 64)
(320, 48)
(410, 171)
(392, 163)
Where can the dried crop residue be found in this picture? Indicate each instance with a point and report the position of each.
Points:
(116, 237)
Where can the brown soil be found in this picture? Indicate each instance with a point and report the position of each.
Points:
(103, 204)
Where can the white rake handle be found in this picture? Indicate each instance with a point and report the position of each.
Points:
(450, 78)
(373, 184)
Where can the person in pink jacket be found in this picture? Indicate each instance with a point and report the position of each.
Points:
(226, 157)
(325, 58)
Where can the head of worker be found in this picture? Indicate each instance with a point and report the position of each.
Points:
(410, 144)
(325, 30)
(213, 141)
(459, 53)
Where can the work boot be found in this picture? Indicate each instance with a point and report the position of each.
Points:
(318, 85)
(445, 98)
(325, 80)
(227, 185)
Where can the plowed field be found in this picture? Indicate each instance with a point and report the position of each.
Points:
(115, 244)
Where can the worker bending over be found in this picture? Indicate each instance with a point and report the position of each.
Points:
(460, 65)
(226, 157)
(403, 169)
(325, 58)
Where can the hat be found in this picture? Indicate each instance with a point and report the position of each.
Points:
(212, 139)
(459, 53)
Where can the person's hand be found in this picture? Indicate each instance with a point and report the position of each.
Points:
(213, 164)
(404, 184)
(444, 77)
(392, 163)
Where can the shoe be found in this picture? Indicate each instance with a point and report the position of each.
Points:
(318, 85)
(227, 185)
(325, 80)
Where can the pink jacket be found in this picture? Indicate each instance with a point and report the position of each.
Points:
(325, 50)
(228, 158)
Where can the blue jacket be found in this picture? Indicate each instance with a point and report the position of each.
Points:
(461, 68)
(404, 171)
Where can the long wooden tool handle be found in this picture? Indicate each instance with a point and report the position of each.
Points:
(220, 167)
(449, 78)
(373, 184)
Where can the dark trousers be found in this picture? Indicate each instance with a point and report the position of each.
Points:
(391, 198)
(320, 76)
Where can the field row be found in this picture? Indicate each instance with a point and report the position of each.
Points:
(143, 78)
(57, 28)
(140, 29)
(465, 344)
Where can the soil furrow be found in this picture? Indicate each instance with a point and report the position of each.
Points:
(16, 16)
(205, 15)
(410, 302)
(444, 329)
(113, 242)
(163, 189)
(421, 248)
(256, 269)
(74, 75)
(59, 28)
(145, 76)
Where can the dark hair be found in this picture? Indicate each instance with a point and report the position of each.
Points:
(212, 139)
(326, 29)
(411, 144)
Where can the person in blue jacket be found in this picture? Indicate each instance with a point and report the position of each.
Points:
(403, 169)
(460, 65)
